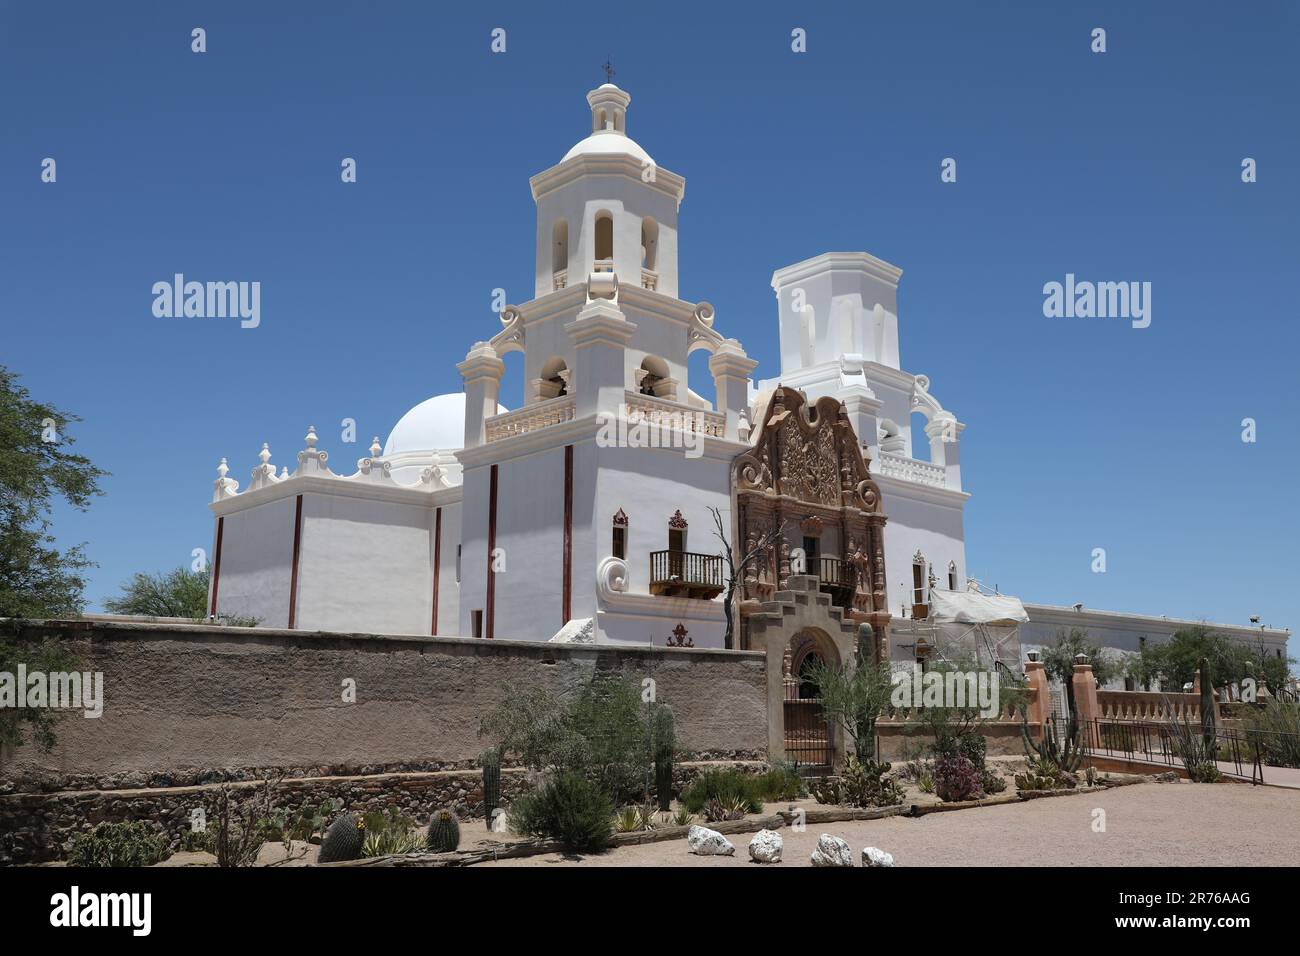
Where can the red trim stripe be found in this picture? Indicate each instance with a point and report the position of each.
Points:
(437, 564)
(566, 611)
(293, 576)
(216, 567)
(492, 546)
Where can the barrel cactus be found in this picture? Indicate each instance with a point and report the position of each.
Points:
(342, 841)
(444, 832)
(491, 761)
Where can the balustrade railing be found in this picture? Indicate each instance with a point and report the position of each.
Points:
(530, 418)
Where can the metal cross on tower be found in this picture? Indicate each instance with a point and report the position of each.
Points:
(609, 70)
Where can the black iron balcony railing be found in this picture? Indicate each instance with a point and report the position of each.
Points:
(835, 573)
(686, 574)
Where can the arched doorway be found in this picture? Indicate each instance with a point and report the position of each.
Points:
(809, 737)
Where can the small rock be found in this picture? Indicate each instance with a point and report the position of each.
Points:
(498, 824)
(873, 856)
(832, 851)
(706, 842)
(765, 847)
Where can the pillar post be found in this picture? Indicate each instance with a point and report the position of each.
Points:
(481, 372)
(1085, 696)
(1041, 706)
(731, 369)
(600, 335)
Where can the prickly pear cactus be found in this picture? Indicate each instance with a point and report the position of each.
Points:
(342, 841)
(444, 832)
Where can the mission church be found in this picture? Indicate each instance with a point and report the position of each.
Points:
(474, 520)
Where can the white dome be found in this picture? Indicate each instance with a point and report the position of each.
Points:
(606, 142)
(436, 424)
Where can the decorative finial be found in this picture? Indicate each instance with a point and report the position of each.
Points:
(375, 447)
(223, 469)
(265, 454)
(311, 436)
(608, 67)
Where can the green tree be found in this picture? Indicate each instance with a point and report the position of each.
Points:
(179, 593)
(18, 724)
(37, 579)
(854, 694)
(1175, 662)
(1058, 658)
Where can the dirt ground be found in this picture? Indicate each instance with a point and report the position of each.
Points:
(1168, 824)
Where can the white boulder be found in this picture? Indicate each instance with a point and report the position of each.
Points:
(765, 847)
(874, 856)
(706, 842)
(499, 823)
(832, 851)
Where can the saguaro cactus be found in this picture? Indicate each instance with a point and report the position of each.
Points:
(491, 762)
(1208, 730)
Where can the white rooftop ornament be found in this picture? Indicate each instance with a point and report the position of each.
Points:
(264, 473)
(375, 468)
(224, 487)
(312, 461)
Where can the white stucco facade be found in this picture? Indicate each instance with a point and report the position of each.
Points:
(570, 513)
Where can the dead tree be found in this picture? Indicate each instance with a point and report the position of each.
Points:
(735, 568)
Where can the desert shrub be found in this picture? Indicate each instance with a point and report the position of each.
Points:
(604, 732)
(1274, 731)
(725, 786)
(956, 778)
(990, 782)
(781, 782)
(119, 844)
(864, 783)
(1198, 749)
(569, 808)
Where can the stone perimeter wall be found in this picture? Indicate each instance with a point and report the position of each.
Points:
(187, 706)
(180, 699)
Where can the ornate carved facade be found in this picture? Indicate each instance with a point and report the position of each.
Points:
(806, 477)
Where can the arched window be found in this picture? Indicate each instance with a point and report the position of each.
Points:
(554, 380)
(952, 575)
(649, 243)
(560, 247)
(604, 240)
(654, 372)
(619, 544)
(919, 608)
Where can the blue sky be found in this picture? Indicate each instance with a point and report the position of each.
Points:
(1082, 433)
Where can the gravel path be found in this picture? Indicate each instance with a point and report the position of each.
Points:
(1170, 824)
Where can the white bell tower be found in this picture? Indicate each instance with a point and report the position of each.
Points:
(607, 207)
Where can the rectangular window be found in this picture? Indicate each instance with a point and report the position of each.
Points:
(620, 541)
(918, 583)
(476, 623)
(676, 539)
(952, 580)
(458, 564)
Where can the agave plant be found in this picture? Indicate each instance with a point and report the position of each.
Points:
(628, 820)
(682, 817)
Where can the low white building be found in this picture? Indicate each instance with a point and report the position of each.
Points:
(587, 513)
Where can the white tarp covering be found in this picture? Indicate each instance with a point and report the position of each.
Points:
(966, 607)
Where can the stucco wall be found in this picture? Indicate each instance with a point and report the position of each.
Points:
(180, 697)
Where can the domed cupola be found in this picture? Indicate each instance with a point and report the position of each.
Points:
(608, 126)
(607, 207)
